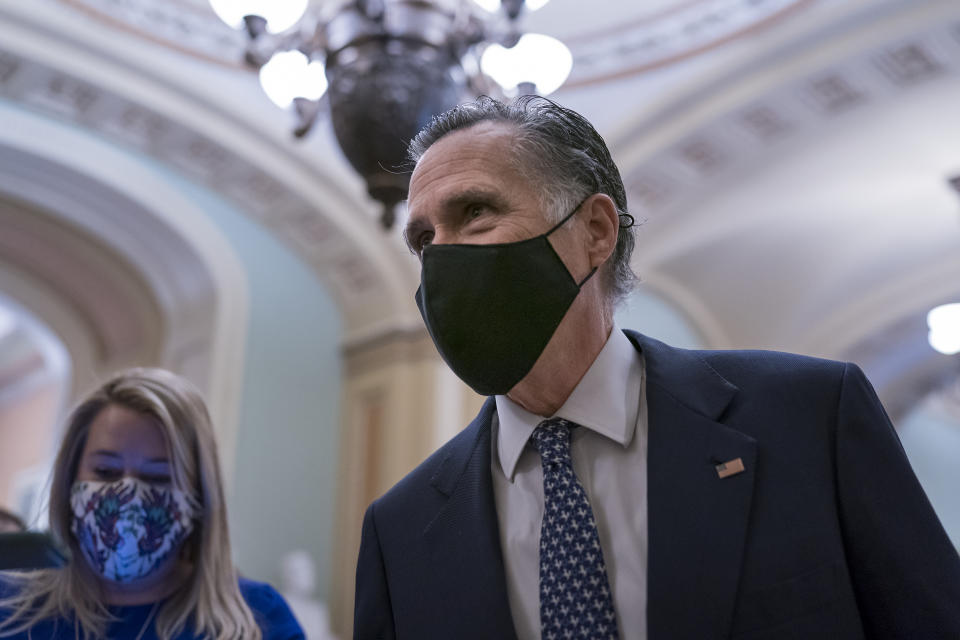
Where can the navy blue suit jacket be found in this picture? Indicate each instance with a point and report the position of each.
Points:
(826, 534)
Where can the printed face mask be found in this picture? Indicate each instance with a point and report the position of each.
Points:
(128, 528)
(491, 309)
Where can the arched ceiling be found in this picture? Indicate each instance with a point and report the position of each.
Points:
(212, 123)
(163, 77)
(802, 202)
(789, 156)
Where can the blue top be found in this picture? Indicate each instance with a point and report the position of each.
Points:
(270, 610)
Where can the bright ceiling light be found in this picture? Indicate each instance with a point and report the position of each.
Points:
(944, 323)
(314, 81)
(279, 14)
(538, 59)
(533, 5)
(289, 75)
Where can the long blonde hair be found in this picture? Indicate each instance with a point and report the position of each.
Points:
(210, 601)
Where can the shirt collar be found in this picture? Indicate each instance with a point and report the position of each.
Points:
(606, 401)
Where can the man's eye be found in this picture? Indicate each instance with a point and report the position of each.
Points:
(476, 210)
(423, 240)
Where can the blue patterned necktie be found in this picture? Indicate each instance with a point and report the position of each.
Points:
(575, 598)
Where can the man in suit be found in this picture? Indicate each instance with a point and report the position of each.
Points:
(613, 486)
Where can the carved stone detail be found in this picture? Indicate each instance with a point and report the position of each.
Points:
(678, 171)
(685, 30)
(201, 158)
(615, 51)
(189, 27)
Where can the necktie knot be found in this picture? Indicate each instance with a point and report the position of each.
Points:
(552, 440)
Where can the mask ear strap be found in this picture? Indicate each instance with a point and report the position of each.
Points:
(567, 217)
(589, 275)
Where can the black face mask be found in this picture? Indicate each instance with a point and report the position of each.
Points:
(491, 309)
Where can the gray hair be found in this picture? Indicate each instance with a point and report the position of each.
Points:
(559, 150)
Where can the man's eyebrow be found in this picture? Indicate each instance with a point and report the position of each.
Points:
(454, 204)
(475, 195)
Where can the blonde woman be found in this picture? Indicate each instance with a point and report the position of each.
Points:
(137, 498)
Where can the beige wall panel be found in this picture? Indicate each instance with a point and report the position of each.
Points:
(389, 403)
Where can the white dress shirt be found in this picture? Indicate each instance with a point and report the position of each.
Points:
(610, 459)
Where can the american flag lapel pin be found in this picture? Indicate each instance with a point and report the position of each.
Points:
(730, 468)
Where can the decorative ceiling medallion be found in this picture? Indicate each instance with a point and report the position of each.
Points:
(675, 34)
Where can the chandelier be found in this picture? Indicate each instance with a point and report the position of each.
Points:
(381, 69)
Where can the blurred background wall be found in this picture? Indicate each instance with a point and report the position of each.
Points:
(794, 165)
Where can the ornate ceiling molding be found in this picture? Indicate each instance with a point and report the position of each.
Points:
(671, 171)
(688, 29)
(682, 32)
(362, 278)
(183, 26)
(695, 147)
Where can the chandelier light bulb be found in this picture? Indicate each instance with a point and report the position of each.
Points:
(944, 323)
(279, 14)
(538, 59)
(289, 75)
(315, 81)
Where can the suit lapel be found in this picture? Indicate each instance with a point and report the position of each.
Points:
(463, 540)
(697, 520)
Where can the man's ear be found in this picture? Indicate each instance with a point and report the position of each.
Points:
(602, 223)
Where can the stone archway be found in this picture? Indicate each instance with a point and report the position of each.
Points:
(122, 268)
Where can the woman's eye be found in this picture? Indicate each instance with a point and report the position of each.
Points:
(156, 478)
(107, 473)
